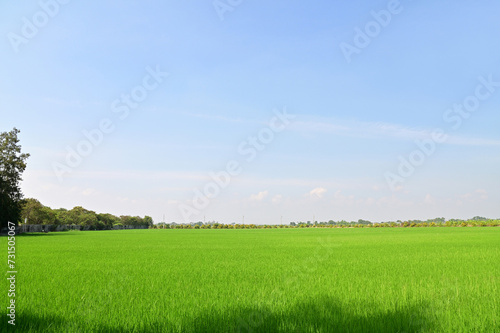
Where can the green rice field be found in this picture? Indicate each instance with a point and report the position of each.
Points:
(265, 280)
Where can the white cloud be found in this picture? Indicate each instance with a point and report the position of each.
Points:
(277, 198)
(259, 196)
(477, 195)
(482, 194)
(318, 192)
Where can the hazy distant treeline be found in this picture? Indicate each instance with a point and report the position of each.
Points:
(437, 222)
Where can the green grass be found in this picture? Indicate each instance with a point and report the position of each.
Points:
(275, 280)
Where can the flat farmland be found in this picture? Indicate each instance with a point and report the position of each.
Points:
(265, 280)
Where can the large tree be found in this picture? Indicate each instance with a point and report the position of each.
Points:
(12, 165)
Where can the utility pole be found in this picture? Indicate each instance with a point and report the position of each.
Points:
(243, 219)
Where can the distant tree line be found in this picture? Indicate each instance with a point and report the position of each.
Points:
(33, 212)
(437, 222)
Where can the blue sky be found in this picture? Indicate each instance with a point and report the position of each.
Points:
(351, 118)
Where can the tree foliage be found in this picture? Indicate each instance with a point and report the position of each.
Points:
(12, 165)
(33, 212)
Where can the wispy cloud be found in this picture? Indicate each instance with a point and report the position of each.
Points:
(219, 118)
(357, 129)
(259, 196)
(318, 192)
(125, 176)
(477, 195)
(277, 199)
(467, 141)
(64, 103)
(360, 129)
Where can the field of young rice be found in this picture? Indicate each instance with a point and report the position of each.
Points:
(271, 280)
